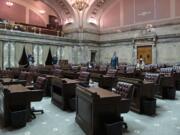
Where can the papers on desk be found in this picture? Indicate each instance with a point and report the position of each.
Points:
(93, 84)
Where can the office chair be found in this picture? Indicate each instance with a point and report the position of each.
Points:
(126, 91)
(84, 78)
(107, 81)
(38, 91)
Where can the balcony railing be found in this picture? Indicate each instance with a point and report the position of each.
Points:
(31, 29)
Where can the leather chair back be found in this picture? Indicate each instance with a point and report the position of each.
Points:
(57, 72)
(130, 69)
(6, 74)
(75, 68)
(147, 68)
(152, 77)
(177, 69)
(23, 76)
(124, 89)
(40, 83)
(122, 69)
(111, 73)
(84, 77)
(161, 66)
(154, 67)
(103, 68)
(55, 66)
(84, 69)
(166, 71)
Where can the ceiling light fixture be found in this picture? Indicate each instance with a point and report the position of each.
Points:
(68, 21)
(9, 3)
(80, 5)
(92, 21)
(42, 11)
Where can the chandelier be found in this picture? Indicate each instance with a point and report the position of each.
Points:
(80, 4)
(9, 3)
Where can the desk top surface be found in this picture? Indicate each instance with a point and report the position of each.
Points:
(103, 93)
(16, 88)
(50, 76)
(70, 80)
(147, 82)
(8, 80)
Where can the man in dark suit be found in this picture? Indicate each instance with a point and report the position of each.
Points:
(114, 61)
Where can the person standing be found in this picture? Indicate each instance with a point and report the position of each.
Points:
(114, 61)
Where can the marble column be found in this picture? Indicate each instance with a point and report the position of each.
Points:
(1, 54)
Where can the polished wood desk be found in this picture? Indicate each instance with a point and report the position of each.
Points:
(15, 97)
(167, 88)
(94, 107)
(10, 81)
(63, 90)
(70, 74)
(70, 81)
(49, 83)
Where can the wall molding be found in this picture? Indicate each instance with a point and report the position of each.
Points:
(24, 37)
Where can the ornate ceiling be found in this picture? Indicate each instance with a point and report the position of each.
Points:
(67, 14)
(102, 14)
(64, 9)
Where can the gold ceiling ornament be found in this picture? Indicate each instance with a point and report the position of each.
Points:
(80, 5)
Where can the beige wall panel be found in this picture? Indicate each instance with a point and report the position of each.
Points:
(168, 53)
(124, 54)
(68, 53)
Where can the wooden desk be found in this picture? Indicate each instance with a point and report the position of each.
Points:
(49, 83)
(63, 90)
(70, 74)
(12, 89)
(177, 81)
(103, 93)
(167, 88)
(10, 81)
(13, 97)
(70, 81)
(94, 107)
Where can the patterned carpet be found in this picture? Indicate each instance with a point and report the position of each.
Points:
(57, 122)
